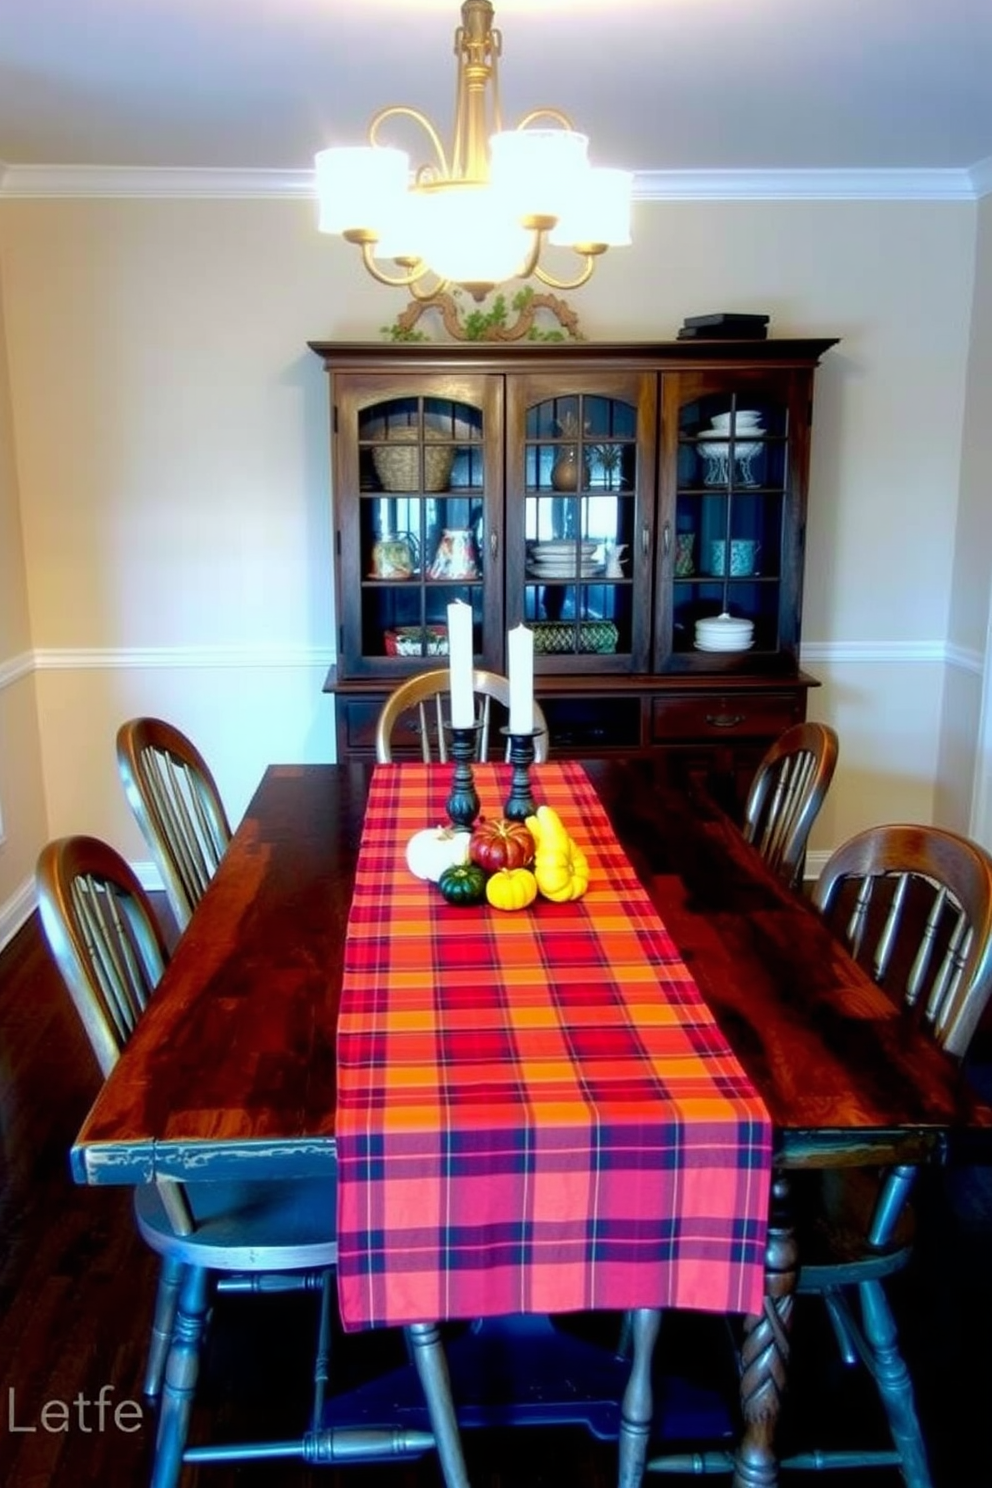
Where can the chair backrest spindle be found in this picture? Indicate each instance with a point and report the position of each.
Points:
(786, 794)
(426, 696)
(104, 936)
(177, 805)
(921, 923)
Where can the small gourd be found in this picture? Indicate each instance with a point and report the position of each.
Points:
(463, 884)
(511, 888)
(431, 851)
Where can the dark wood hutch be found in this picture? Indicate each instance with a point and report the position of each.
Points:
(609, 496)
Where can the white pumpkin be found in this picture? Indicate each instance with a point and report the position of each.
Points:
(430, 852)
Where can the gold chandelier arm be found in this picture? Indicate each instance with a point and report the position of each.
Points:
(529, 265)
(426, 293)
(402, 110)
(588, 254)
(546, 113)
(415, 268)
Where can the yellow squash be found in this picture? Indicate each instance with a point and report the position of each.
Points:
(560, 868)
(511, 888)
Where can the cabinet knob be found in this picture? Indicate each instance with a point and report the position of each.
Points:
(666, 539)
(645, 540)
(725, 720)
(494, 544)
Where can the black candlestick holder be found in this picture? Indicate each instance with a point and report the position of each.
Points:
(463, 803)
(520, 802)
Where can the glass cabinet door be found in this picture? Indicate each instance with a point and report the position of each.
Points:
(423, 530)
(579, 458)
(733, 521)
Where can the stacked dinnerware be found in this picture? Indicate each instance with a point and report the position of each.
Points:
(724, 633)
(716, 451)
(557, 559)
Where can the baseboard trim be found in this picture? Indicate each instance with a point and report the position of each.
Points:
(16, 912)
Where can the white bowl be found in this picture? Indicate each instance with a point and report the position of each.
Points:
(746, 417)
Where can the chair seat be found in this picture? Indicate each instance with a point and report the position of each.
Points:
(247, 1226)
(834, 1213)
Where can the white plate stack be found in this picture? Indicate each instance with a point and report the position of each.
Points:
(557, 560)
(724, 633)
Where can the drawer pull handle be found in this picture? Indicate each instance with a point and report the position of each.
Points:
(725, 720)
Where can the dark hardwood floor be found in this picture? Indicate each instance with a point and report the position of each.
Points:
(76, 1286)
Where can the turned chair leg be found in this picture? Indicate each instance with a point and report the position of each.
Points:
(424, 1341)
(637, 1406)
(163, 1319)
(894, 1384)
(181, 1370)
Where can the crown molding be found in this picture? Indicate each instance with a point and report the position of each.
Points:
(140, 183)
(805, 185)
(133, 182)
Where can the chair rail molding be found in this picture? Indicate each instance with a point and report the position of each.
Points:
(140, 658)
(876, 651)
(16, 667)
(137, 658)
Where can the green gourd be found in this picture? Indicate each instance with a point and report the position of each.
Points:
(463, 883)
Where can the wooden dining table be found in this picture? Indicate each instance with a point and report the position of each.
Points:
(233, 1068)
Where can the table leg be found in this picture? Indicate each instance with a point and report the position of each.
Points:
(765, 1349)
(424, 1340)
(637, 1408)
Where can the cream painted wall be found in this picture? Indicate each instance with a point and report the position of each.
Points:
(172, 437)
(964, 777)
(22, 800)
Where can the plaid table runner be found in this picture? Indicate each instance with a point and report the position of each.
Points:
(536, 1110)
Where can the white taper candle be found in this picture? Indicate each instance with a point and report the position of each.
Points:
(520, 642)
(460, 664)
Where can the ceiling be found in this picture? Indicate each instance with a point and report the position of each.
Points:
(659, 85)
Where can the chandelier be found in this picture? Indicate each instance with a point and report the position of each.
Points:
(485, 211)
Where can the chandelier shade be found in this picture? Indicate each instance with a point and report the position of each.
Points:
(485, 211)
(598, 214)
(360, 185)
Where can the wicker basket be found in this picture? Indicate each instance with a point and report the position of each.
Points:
(557, 638)
(398, 464)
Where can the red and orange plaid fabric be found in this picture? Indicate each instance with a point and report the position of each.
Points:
(536, 1110)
